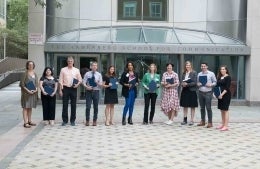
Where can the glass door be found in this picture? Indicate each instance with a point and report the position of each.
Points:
(85, 61)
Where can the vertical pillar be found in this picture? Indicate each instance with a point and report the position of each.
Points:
(112, 59)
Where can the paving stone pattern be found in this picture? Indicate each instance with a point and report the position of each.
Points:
(142, 146)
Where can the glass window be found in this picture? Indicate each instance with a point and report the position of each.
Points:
(130, 9)
(129, 35)
(187, 36)
(236, 67)
(152, 10)
(155, 9)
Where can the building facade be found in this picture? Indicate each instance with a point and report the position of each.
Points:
(113, 32)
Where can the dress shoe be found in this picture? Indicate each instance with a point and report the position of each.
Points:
(123, 121)
(202, 123)
(63, 123)
(72, 124)
(145, 123)
(130, 121)
(209, 125)
(94, 123)
(87, 123)
(151, 122)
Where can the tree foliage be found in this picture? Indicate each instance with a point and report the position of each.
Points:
(43, 4)
(17, 29)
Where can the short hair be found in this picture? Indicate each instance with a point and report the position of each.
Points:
(44, 72)
(169, 64)
(27, 64)
(94, 62)
(204, 63)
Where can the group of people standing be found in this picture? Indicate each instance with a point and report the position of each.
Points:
(193, 86)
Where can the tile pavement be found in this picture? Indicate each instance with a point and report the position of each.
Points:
(136, 146)
(139, 146)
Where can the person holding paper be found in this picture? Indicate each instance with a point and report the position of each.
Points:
(224, 82)
(69, 81)
(92, 82)
(151, 83)
(129, 80)
(48, 85)
(29, 93)
(189, 97)
(170, 101)
(110, 84)
(205, 93)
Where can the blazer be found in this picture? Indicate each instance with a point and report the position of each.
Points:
(147, 79)
(193, 84)
(125, 80)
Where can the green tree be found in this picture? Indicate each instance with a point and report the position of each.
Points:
(17, 29)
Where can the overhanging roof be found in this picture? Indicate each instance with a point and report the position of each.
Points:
(137, 39)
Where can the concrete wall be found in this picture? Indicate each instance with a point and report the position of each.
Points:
(253, 40)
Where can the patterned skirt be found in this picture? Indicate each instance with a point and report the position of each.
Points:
(170, 100)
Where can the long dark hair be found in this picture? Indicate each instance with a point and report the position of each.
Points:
(108, 72)
(126, 66)
(219, 73)
(44, 72)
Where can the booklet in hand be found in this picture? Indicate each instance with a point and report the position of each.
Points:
(49, 90)
(203, 80)
(170, 81)
(113, 81)
(91, 82)
(132, 82)
(30, 86)
(152, 86)
(75, 81)
(188, 80)
(216, 91)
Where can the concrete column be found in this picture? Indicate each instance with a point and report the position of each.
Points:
(112, 59)
(252, 77)
(36, 33)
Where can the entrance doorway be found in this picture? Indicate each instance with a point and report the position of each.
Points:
(85, 62)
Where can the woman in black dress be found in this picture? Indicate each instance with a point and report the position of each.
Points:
(110, 84)
(188, 93)
(224, 81)
(48, 85)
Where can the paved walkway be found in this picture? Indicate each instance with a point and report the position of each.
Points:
(117, 146)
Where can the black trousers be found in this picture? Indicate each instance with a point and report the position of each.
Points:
(147, 98)
(69, 93)
(92, 95)
(48, 107)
